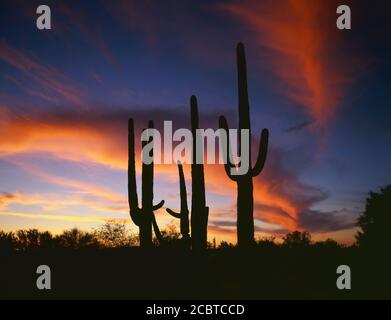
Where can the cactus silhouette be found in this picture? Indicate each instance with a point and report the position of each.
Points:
(199, 211)
(183, 215)
(245, 198)
(143, 217)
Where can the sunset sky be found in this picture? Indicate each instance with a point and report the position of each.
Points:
(66, 95)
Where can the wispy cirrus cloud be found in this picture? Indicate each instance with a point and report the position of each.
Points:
(298, 39)
(52, 83)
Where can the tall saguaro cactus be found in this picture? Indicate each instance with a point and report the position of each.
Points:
(199, 210)
(245, 198)
(183, 215)
(143, 217)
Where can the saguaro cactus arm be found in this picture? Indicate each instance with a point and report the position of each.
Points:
(183, 195)
(262, 153)
(158, 206)
(184, 214)
(173, 213)
(228, 166)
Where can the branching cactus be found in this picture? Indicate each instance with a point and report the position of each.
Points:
(143, 217)
(199, 210)
(183, 215)
(245, 198)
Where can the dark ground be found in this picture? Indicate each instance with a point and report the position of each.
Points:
(130, 273)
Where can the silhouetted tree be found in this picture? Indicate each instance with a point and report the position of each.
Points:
(114, 235)
(8, 242)
(77, 239)
(375, 221)
(266, 242)
(28, 239)
(46, 240)
(328, 244)
(226, 245)
(25, 240)
(245, 197)
(170, 237)
(297, 239)
(143, 217)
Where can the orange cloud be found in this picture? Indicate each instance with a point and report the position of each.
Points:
(96, 139)
(6, 198)
(70, 140)
(299, 39)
